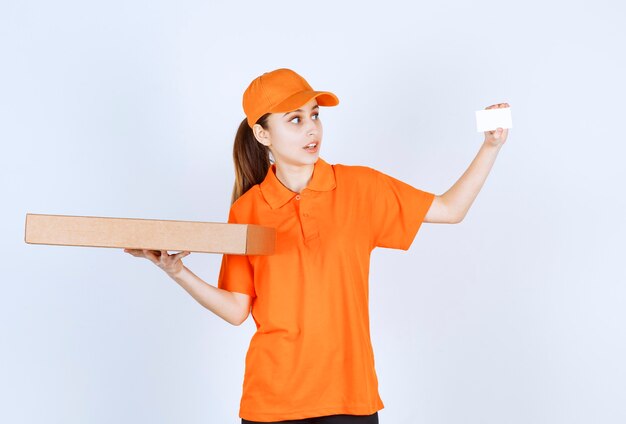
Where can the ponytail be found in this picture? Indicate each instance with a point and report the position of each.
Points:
(251, 158)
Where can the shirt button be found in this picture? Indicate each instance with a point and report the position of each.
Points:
(305, 215)
(297, 197)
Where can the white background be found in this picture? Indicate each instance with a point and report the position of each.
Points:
(129, 109)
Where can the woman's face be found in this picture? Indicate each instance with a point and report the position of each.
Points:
(290, 133)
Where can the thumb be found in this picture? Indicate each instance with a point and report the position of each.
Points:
(181, 255)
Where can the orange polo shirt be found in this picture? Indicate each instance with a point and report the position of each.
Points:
(311, 354)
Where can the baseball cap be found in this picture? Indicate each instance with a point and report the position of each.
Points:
(281, 90)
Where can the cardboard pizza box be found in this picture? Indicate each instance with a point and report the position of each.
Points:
(151, 234)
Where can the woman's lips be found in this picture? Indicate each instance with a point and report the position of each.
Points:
(312, 147)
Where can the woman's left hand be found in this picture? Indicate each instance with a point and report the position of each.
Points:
(498, 136)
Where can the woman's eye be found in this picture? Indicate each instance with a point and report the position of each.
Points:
(316, 115)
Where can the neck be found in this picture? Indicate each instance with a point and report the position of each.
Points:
(294, 177)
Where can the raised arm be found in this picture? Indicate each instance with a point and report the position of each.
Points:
(452, 206)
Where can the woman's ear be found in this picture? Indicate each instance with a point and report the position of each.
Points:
(261, 134)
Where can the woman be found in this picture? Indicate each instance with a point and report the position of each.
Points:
(311, 358)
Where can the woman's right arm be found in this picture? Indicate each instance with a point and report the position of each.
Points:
(230, 306)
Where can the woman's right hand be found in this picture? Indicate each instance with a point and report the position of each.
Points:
(171, 264)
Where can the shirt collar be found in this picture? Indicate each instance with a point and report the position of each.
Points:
(276, 194)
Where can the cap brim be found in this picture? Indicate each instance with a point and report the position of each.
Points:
(324, 98)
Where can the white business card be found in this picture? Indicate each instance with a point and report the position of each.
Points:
(490, 119)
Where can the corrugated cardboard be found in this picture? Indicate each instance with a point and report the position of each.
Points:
(151, 234)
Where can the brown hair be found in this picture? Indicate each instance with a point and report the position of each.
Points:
(251, 158)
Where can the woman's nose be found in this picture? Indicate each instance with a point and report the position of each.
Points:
(311, 127)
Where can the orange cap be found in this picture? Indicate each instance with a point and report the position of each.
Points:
(280, 90)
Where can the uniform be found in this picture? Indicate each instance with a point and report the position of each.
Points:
(311, 354)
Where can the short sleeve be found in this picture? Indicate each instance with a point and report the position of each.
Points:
(398, 211)
(236, 271)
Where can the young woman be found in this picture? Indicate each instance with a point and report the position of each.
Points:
(311, 358)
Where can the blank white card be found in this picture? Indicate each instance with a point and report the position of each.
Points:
(490, 119)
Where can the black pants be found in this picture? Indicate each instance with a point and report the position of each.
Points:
(328, 419)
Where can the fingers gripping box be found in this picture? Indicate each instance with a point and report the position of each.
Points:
(151, 234)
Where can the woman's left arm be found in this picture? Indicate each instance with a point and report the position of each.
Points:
(452, 206)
